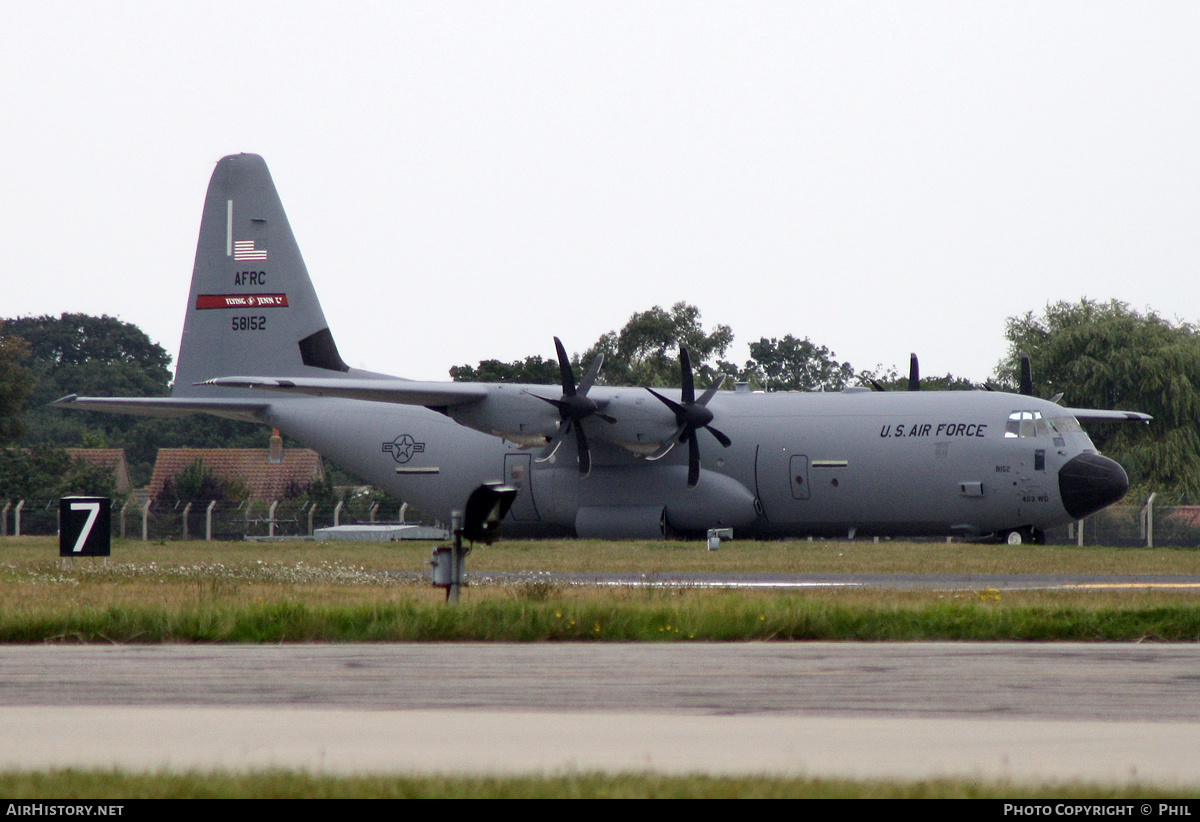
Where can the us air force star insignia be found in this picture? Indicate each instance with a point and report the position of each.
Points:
(403, 447)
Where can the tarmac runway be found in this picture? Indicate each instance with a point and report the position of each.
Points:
(1109, 713)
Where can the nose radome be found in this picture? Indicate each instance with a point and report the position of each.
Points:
(1090, 482)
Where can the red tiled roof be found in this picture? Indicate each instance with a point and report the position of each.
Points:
(112, 459)
(249, 466)
(1189, 514)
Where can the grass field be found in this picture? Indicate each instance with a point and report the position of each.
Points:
(783, 556)
(347, 592)
(304, 591)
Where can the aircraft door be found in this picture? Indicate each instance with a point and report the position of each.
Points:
(517, 469)
(798, 476)
(781, 478)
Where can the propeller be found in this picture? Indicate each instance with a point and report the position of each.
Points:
(690, 415)
(1026, 381)
(914, 376)
(573, 408)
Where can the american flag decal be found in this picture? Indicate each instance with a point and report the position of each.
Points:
(250, 249)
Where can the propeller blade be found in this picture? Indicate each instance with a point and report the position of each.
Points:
(721, 438)
(593, 371)
(669, 403)
(555, 441)
(688, 386)
(585, 453)
(1026, 375)
(914, 373)
(693, 459)
(564, 369)
(559, 404)
(666, 446)
(712, 389)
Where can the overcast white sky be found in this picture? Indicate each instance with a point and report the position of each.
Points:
(468, 179)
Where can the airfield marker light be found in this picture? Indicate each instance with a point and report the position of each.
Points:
(715, 535)
(485, 510)
(486, 507)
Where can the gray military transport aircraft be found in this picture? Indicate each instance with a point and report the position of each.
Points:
(600, 461)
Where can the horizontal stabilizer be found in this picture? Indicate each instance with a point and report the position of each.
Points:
(403, 392)
(233, 409)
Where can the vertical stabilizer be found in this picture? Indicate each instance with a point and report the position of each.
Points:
(252, 308)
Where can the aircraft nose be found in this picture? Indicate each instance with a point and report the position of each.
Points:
(1090, 482)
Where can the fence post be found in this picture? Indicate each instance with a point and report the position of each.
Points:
(208, 521)
(271, 518)
(4, 518)
(187, 509)
(1079, 534)
(1147, 519)
(337, 513)
(146, 522)
(17, 518)
(312, 509)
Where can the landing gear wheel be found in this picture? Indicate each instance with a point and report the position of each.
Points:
(1024, 536)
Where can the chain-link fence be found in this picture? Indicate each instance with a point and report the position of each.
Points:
(254, 519)
(1118, 525)
(1136, 525)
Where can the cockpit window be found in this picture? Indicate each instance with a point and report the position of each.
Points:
(1066, 425)
(1030, 424)
(1020, 424)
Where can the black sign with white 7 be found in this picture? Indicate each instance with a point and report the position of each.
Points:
(84, 526)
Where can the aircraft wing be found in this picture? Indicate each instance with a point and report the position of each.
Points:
(404, 392)
(1092, 415)
(234, 409)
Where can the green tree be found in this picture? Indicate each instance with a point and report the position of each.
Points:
(646, 350)
(96, 356)
(16, 383)
(1106, 355)
(790, 364)
(892, 380)
(90, 356)
(199, 483)
(533, 370)
(104, 356)
(49, 473)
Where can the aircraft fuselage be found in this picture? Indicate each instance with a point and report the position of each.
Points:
(801, 464)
